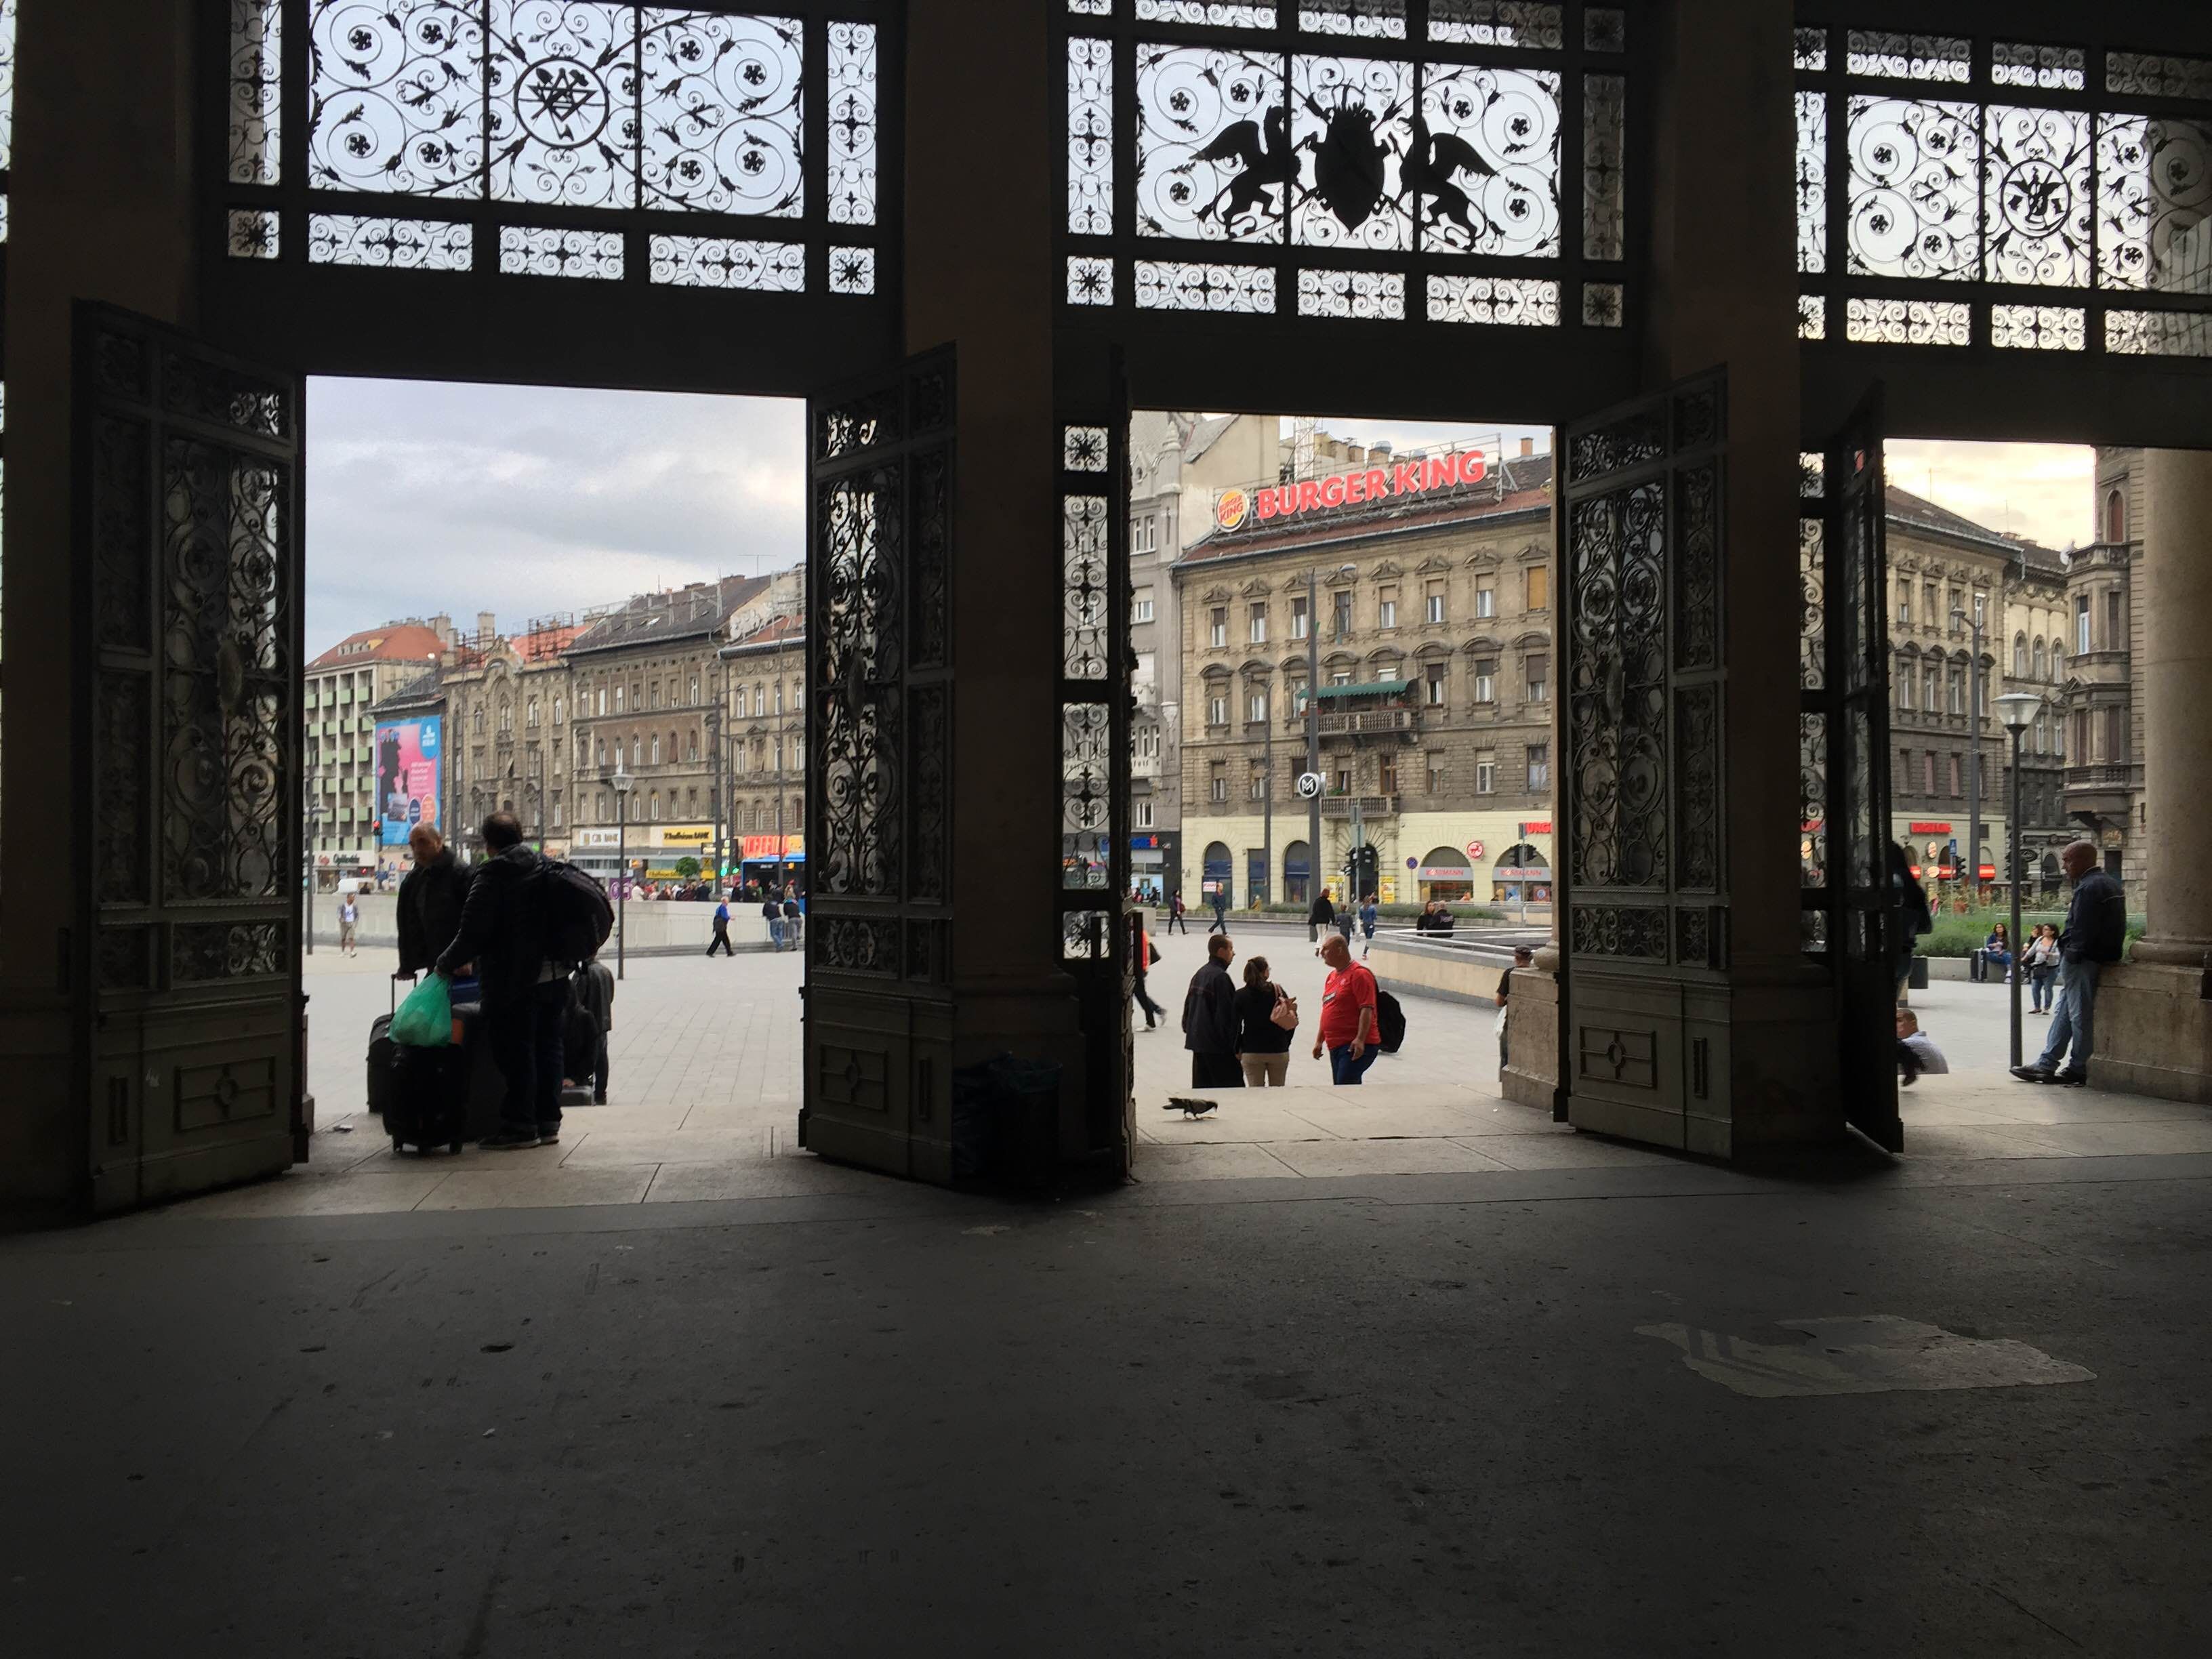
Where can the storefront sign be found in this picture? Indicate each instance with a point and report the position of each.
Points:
(764, 846)
(1928, 829)
(1474, 849)
(598, 837)
(687, 835)
(1536, 827)
(1419, 476)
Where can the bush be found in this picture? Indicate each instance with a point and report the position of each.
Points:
(1961, 936)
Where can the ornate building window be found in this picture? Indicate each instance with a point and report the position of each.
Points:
(706, 124)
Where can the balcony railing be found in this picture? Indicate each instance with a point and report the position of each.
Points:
(2105, 774)
(1370, 722)
(1370, 806)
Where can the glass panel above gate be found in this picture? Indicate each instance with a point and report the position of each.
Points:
(1373, 160)
(2003, 195)
(705, 146)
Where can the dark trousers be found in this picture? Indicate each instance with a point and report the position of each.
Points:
(1220, 923)
(1176, 920)
(1152, 1010)
(721, 942)
(1216, 1072)
(599, 1071)
(525, 1045)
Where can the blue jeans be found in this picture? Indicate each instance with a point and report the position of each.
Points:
(2039, 980)
(775, 932)
(1344, 1070)
(2077, 999)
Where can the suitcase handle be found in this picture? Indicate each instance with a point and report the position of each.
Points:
(394, 982)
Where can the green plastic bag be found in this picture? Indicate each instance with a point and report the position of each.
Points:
(425, 1020)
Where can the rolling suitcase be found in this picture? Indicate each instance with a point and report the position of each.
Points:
(427, 1106)
(381, 1049)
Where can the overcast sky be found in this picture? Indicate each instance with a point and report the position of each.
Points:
(427, 496)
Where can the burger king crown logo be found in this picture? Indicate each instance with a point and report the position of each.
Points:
(1230, 511)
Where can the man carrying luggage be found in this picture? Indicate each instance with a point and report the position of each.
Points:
(503, 932)
(430, 900)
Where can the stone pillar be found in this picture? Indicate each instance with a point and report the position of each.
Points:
(2153, 1026)
(102, 210)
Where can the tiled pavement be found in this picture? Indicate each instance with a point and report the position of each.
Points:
(706, 1098)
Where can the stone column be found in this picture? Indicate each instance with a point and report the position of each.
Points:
(2154, 1026)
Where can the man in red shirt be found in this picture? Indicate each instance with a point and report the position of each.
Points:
(1348, 1027)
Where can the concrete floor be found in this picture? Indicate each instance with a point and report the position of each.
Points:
(1389, 1415)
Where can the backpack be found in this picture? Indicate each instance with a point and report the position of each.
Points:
(1390, 1020)
(577, 916)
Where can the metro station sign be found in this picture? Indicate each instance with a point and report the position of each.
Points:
(1234, 508)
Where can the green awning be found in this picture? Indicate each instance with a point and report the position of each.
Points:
(1372, 689)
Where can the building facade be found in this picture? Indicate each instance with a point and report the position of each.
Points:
(643, 682)
(506, 749)
(338, 750)
(764, 714)
(1434, 689)
(2101, 693)
(1179, 464)
(1948, 574)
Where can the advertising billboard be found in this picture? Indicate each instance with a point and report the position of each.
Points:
(409, 776)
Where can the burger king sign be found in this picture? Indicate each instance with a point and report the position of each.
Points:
(1420, 476)
(1231, 509)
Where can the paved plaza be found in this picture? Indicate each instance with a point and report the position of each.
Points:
(706, 1094)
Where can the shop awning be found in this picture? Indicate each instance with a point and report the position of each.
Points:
(1369, 689)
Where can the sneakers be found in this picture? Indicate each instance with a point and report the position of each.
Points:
(508, 1141)
(550, 1137)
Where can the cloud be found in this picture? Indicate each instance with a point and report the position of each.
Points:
(2046, 492)
(524, 501)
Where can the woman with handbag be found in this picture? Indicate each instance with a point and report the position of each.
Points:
(1266, 1014)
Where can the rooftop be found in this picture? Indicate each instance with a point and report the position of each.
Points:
(776, 632)
(393, 642)
(1902, 507)
(687, 612)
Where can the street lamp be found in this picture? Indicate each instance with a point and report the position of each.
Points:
(623, 784)
(1959, 617)
(2017, 709)
(1313, 724)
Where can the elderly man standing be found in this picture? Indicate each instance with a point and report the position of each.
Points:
(430, 900)
(1210, 1024)
(2095, 933)
(1348, 1029)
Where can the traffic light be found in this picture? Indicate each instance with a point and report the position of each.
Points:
(1364, 870)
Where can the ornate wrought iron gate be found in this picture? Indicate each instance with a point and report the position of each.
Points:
(1646, 927)
(879, 745)
(1850, 917)
(188, 568)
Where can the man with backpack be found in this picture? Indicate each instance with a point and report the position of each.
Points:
(1350, 1030)
(504, 931)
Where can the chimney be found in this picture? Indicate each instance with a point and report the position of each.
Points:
(487, 628)
(442, 626)
(1528, 447)
(1381, 451)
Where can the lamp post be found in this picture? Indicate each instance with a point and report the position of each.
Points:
(623, 784)
(2017, 709)
(1313, 723)
(1959, 617)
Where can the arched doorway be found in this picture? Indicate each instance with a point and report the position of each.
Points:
(1444, 873)
(1521, 876)
(1217, 874)
(1297, 873)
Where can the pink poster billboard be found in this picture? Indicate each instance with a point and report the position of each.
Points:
(410, 770)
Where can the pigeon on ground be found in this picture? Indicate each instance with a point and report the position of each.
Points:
(1190, 1108)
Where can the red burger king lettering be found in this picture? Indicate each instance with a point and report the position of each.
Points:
(1374, 483)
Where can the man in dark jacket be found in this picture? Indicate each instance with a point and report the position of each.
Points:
(722, 940)
(502, 931)
(430, 901)
(2096, 933)
(1210, 1024)
(1321, 914)
(595, 999)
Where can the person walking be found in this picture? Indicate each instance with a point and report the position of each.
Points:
(2040, 959)
(2096, 933)
(772, 913)
(1266, 1015)
(1321, 915)
(349, 925)
(428, 907)
(1209, 1019)
(1175, 915)
(722, 940)
(1909, 919)
(1368, 911)
(503, 932)
(794, 921)
(1220, 911)
(1147, 954)
(1347, 1029)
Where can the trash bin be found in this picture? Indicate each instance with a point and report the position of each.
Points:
(1917, 980)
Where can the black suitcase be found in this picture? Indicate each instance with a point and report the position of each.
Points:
(380, 1051)
(427, 1105)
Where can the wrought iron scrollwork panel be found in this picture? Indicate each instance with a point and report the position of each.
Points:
(1617, 733)
(856, 634)
(1087, 815)
(122, 828)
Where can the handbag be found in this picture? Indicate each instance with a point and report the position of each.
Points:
(1284, 1013)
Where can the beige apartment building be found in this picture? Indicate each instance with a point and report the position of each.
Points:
(2101, 691)
(507, 749)
(1435, 686)
(763, 713)
(339, 749)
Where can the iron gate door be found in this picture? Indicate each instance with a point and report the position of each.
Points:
(188, 570)
(879, 809)
(1851, 916)
(1643, 932)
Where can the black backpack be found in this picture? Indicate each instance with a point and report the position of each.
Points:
(577, 916)
(1390, 1020)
